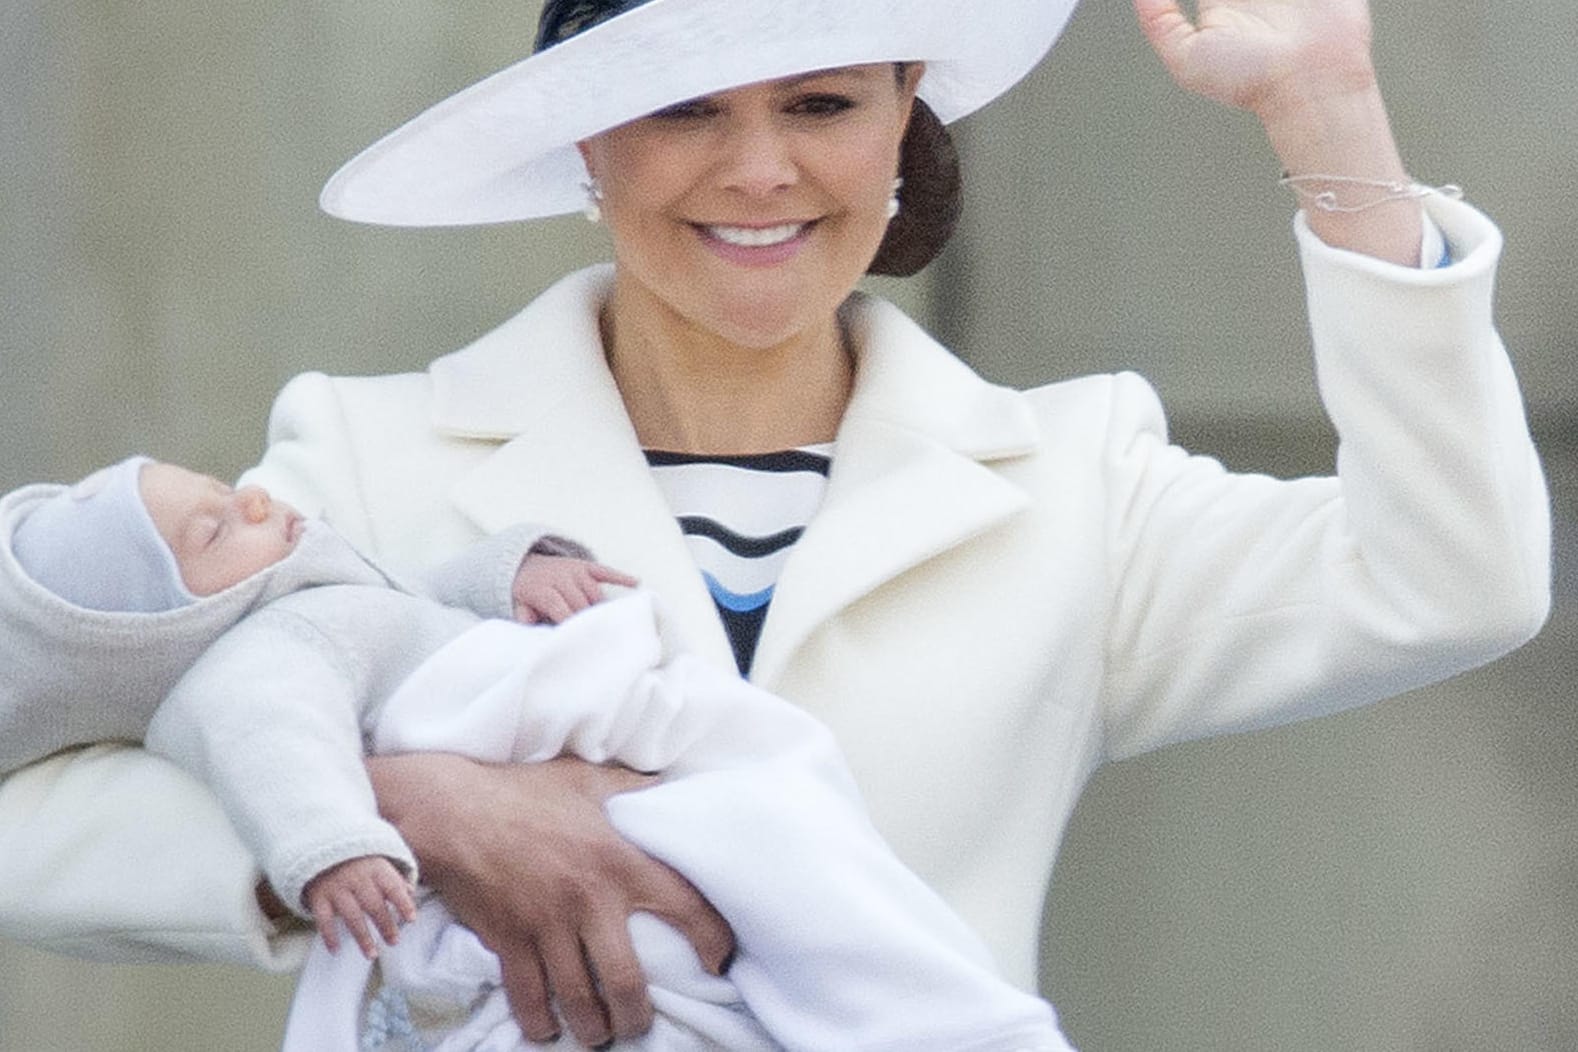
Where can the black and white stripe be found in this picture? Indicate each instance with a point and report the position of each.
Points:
(741, 515)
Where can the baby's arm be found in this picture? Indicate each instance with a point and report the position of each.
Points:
(523, 573)
(358, 890)
(268, 718)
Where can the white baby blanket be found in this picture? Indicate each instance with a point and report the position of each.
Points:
(839, 945)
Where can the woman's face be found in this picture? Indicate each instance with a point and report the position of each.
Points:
(751, 213)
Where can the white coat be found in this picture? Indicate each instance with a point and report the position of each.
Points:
(1001, 591)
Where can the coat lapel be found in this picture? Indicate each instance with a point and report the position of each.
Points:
(911, 475)
(568, 456)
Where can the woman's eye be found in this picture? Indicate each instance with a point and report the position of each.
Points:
(690, 110)
(822, 105)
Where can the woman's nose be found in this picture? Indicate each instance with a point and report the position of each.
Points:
(760, 159)
(253, 503)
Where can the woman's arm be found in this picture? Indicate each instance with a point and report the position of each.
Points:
(1243, 601)
(113, 854)
(524, 856)
(1305, 70)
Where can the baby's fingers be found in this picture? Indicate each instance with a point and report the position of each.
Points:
(397, 904)
(354, 911)
(609, 575)
(324, 918)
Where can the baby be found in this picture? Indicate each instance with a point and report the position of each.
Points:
(152, 537)
(267, 653)
(219, 536)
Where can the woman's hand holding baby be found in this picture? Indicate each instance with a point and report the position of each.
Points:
(356, 891)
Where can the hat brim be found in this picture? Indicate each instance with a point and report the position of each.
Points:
(503, 149)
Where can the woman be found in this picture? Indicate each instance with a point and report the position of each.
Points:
(998, 591)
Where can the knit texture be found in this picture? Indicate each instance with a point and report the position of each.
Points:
(73, 675)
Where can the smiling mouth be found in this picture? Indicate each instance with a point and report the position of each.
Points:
(755, 237)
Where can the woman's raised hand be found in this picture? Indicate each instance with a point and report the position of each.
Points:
(1263, 55)
(523, 854)
(1304, 68)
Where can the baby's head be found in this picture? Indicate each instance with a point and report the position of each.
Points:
(145, 536)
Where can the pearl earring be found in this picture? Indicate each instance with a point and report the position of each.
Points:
(893, 201)
(593, 209)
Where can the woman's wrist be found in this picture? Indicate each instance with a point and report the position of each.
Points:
(1342, 130)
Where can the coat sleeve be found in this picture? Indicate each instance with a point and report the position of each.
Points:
(113, 854)
(1243, 601)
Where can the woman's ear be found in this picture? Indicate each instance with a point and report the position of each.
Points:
(585, 148)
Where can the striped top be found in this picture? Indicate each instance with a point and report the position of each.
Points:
(740, 516)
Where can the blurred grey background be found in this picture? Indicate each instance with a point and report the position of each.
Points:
(1397, 878)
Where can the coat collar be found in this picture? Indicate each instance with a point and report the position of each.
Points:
(910, 477)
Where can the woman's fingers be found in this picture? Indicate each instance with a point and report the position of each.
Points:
(526, 989)
(612, 958)
(1165, 25)
(666, 894)
(1262, 55)
(524, 855)
(574, 988)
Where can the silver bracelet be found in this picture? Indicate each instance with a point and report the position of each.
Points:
(1387, 191)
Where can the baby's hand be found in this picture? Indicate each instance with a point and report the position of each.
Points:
(356, 890)
(549, 588)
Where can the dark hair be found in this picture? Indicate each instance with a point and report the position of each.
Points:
(929, 200)
(562, 19)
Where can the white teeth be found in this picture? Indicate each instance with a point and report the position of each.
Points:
(756, 237)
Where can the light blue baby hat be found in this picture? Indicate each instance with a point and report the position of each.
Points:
(95, 546)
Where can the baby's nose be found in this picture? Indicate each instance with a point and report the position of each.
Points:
(253, 502)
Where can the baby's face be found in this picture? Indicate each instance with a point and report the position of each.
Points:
(220, 536)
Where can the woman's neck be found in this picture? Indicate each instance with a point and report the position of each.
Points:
(689, 390)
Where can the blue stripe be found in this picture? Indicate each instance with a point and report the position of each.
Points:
(740, 604)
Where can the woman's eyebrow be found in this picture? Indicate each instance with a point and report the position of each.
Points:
(822, 74)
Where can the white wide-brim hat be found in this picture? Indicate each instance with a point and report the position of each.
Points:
(503, 149)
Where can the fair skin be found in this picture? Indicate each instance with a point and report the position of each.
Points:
(805, 165)
(727, 348)
(220, 536)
